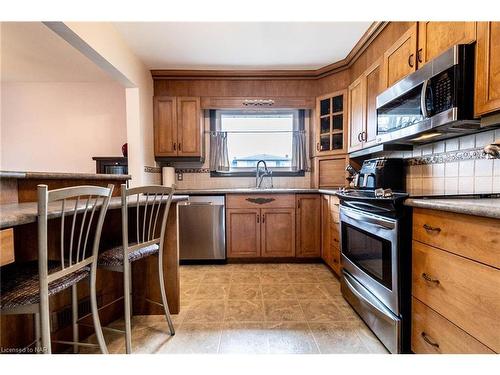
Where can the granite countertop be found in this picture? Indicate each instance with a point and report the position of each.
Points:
(487, 207)
(23, 213)
(63, 176)
(254, 191)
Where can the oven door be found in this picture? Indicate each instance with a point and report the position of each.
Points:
(369, 246)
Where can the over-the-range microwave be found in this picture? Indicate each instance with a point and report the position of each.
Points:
(435, 102)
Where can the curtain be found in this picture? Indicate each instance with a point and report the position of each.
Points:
(299, 152)
(219, 158)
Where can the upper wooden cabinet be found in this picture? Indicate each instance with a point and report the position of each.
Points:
(487, 90)
(308, 243)
(329, 171)
(331, 123)
(177, 127)
(436, 37)
(400, 59)
(363, 107)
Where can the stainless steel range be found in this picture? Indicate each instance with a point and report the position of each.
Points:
(376, 259)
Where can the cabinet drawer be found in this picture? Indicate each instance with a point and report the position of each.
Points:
(260, 201)
(6, 246)
(463, 291)
(433, 334)
(473, 237)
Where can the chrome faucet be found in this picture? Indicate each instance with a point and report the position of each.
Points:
(260, 177)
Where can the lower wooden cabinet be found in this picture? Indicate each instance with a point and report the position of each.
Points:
(308, 222)
(330, 236)
(277, 232)
(243, 232)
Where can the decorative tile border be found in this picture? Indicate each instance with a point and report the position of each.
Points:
(152, 169)
(192, 170)
(450, 156)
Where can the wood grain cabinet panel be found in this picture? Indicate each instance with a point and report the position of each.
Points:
(487, 82)
(6, 246)
(165, 126)
(278, 232)
(356, 113)
(177, 126)
(243, 233)
(308, 224)
(464, 291)
(400, 59)
(326, 248)
(373, 87)
(473, 237)
(433, 334)
(329, 172)
(436, 37)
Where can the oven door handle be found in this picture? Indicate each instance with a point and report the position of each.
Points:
(423, 94)
(385, 224)
(381, 309)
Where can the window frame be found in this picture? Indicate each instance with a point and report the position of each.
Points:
(250, 172)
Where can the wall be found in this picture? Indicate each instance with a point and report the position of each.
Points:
(104, 45)
(59, 126)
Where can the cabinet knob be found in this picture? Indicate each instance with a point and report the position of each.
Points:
(175, 146)
(317, 147)
(263, 218)
(258, 218)
(179, 146)
(411, 61)
(419, 55)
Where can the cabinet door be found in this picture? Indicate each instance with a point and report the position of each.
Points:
(356, 114)
(400, 59)
(189, 126)
(326, 249)
(373, 84)
(308, 226)
(436, 37)
(487, 82)
(335, 233)
(243, 233)
(165, 126)
(331, 124)
(278, 232)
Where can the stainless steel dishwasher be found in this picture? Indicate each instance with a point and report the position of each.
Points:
(202, 229)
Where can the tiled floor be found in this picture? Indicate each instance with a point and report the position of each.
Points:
(254, 308)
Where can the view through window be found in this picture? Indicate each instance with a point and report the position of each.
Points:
(254, 136)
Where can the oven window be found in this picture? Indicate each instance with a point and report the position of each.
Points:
(370, 253)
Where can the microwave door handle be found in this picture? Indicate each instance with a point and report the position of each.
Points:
(423, 94)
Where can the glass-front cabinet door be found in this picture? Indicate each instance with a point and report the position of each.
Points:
(331, 123)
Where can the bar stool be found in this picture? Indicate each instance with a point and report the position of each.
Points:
(148, 240)
(25, 288)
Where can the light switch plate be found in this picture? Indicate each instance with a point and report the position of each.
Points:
(179, 176)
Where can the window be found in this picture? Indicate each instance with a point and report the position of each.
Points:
(259, 135)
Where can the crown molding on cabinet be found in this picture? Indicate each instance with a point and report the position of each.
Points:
(361, 45)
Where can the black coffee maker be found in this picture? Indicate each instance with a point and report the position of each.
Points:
(382, 173)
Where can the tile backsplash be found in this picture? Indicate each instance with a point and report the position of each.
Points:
(454, 166)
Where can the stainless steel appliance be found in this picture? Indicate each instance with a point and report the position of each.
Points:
(375, 238)
(382, 173)
(202, 233)
(435, 102)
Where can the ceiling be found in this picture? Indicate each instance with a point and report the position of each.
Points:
(242, 45)
(31, 52)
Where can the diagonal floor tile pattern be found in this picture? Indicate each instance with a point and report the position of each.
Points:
(254, 309)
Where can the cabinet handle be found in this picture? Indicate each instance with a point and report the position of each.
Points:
(263, 218)
(428, 340)
(430, 229)
(258, 219)
(317, 147)
(298, 203)
(430, 279)
(419, 55)
(179, 146)
(410, 60)
(175, 146)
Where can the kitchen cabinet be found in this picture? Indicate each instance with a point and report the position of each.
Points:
(436, 37)
(400, 58)
(331, 123)
(243, 232)
(330, 246)
(178, 127)
(260, 225)
(487, 81)
(6, 246)
(308, 211)
(363, 107)
(455, 283)
(329, 171)
(277, 231)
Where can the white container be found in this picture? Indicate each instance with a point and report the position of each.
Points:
(168, 176)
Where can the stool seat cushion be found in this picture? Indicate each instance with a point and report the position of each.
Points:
(114, 256)
(19, 284)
